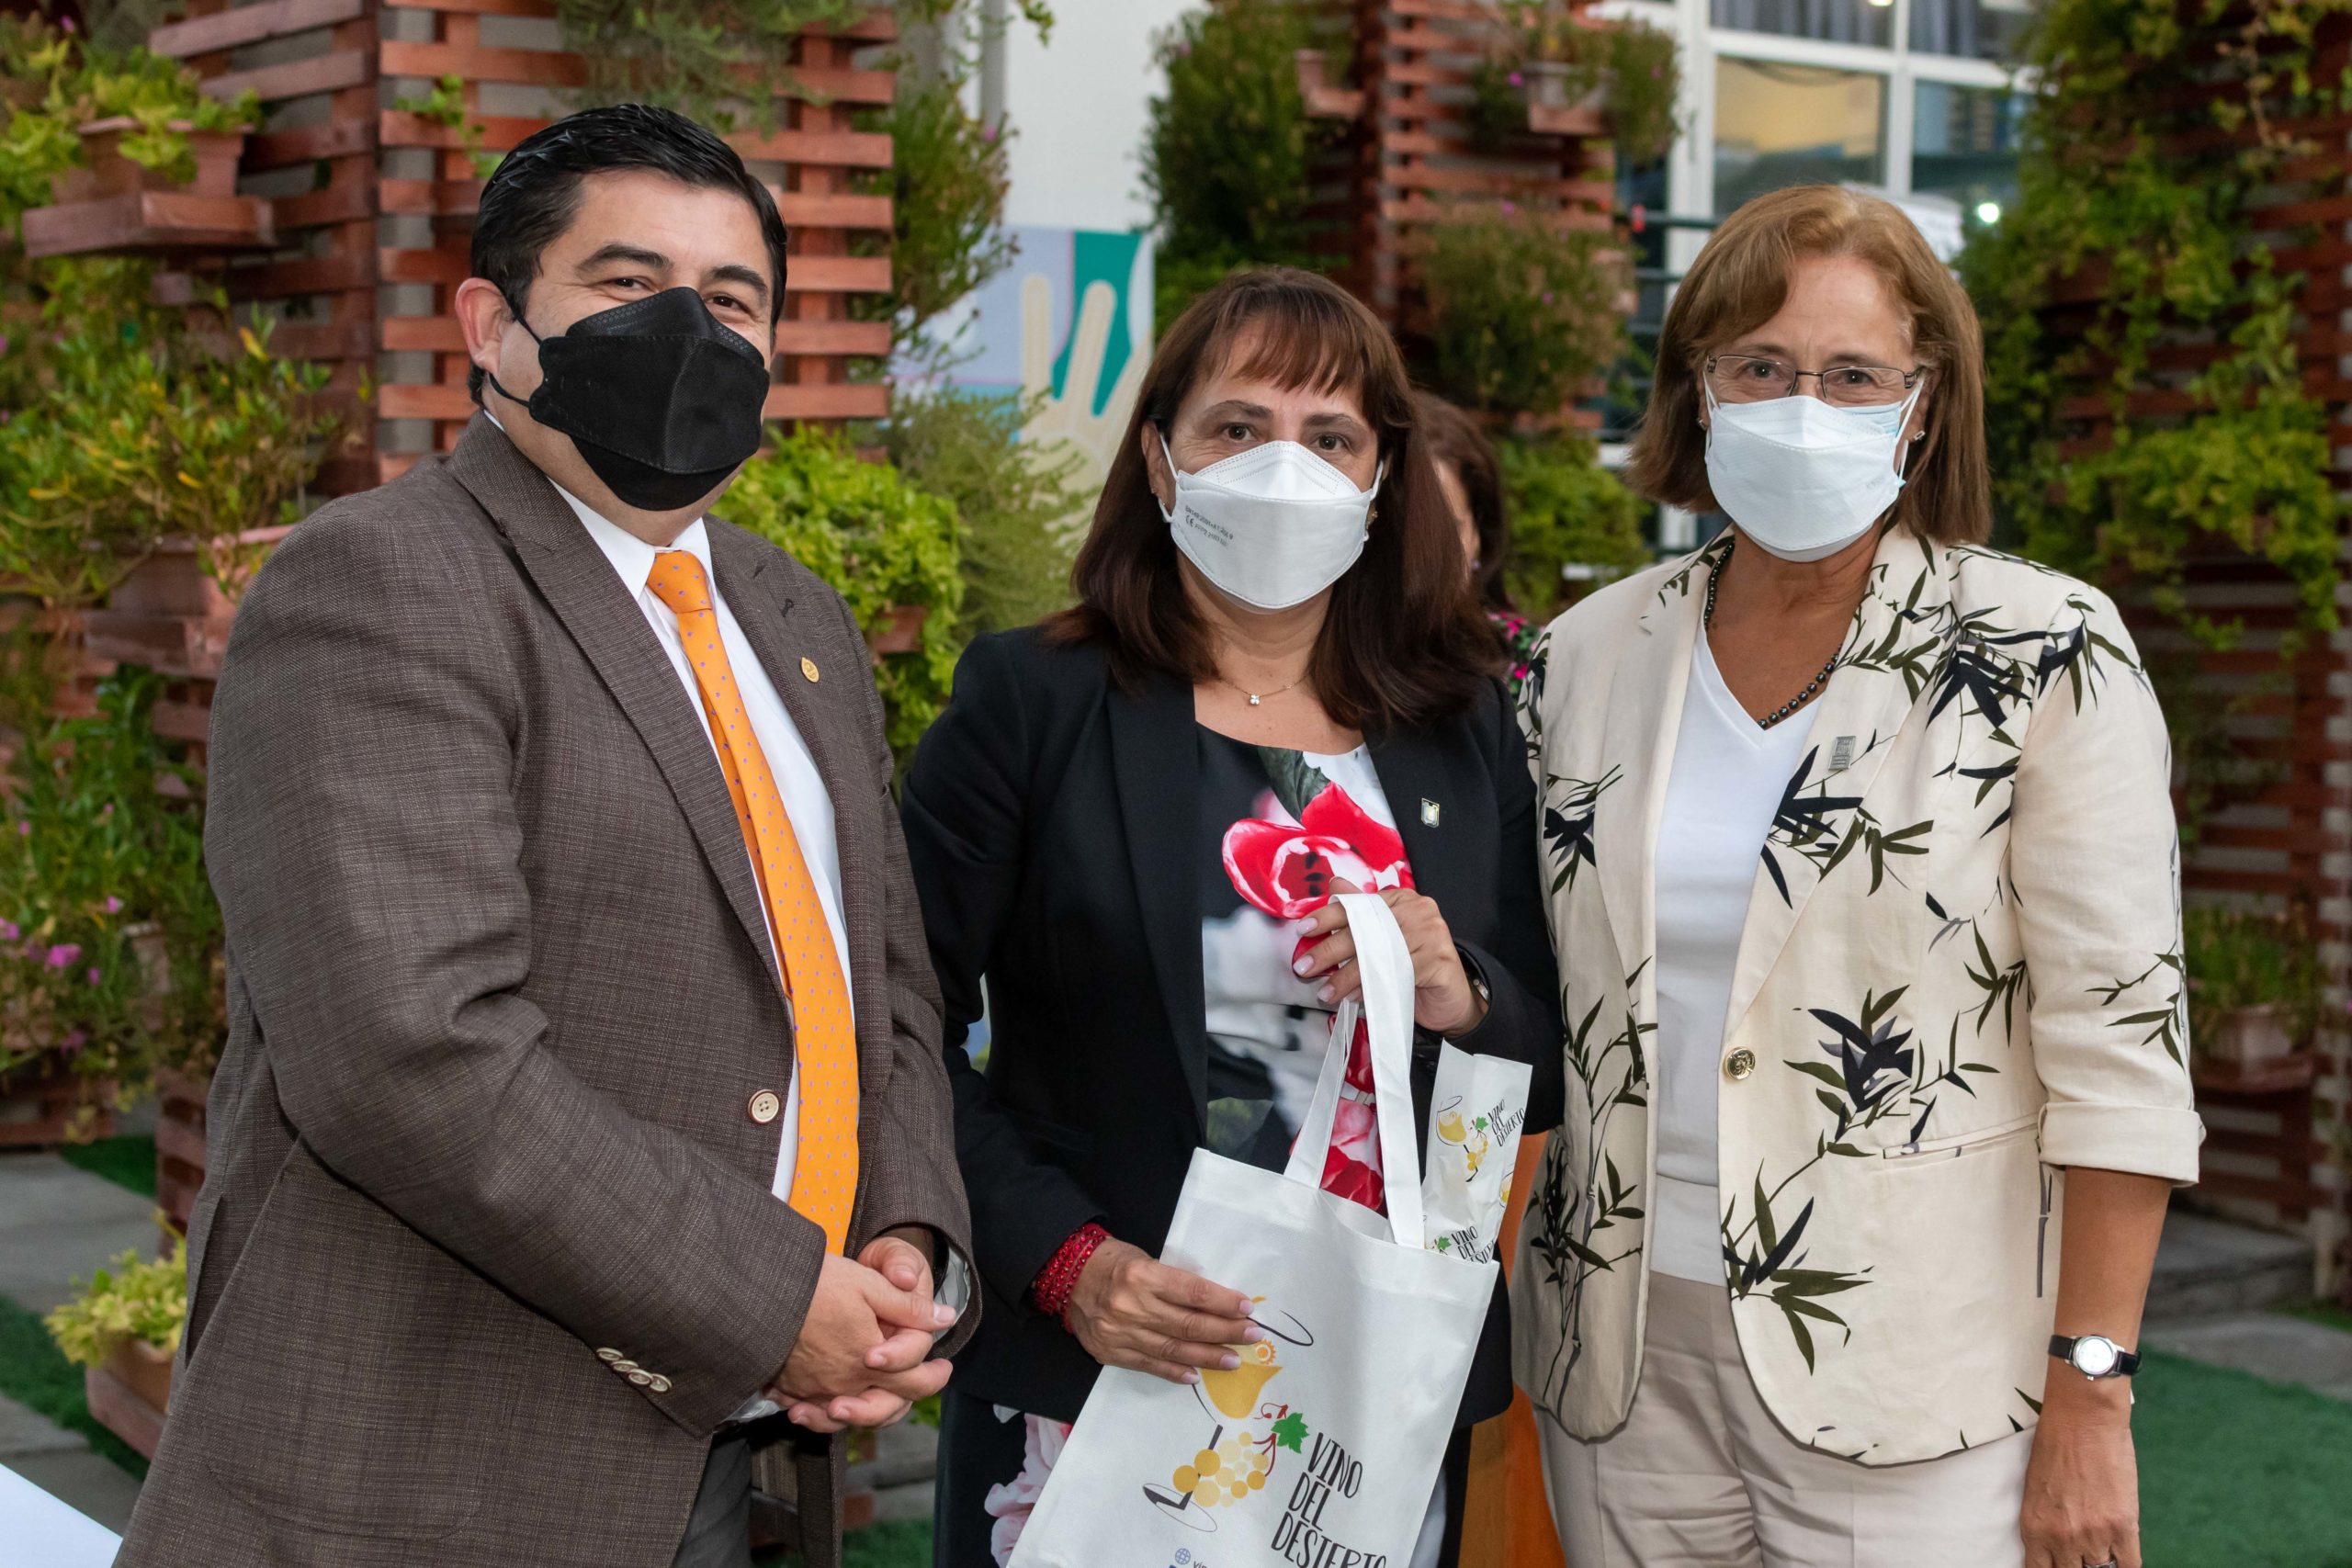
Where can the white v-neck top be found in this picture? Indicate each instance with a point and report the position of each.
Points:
(1727, 778)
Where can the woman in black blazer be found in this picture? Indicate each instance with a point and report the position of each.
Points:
(1130, 821)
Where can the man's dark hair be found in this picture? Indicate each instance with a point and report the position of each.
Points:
(533, 193)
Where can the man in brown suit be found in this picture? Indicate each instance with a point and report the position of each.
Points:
(582, 1140)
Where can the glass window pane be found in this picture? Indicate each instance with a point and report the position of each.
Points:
(1964, 145)
(1835, 21)
(1782, 125)
(1980, 29)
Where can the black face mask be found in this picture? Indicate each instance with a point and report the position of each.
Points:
(661, 401)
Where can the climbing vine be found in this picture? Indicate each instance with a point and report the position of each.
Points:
(2128, 284)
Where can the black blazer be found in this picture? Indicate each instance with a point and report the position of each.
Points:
(1050, 818)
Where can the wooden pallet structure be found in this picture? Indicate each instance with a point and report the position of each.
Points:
(1406, 161)
(372, 206)
(2270, 1154)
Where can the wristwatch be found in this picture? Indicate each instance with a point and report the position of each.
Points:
(2095, 1355)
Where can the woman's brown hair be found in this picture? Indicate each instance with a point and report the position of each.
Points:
(1403, 645)
(1740, 281)
(1456, 441)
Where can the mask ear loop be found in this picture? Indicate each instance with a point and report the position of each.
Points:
(515, 311)
(1167, 513)
(1902, 447)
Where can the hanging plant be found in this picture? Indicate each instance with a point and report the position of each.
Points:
(1545, 54)
(2169, 410)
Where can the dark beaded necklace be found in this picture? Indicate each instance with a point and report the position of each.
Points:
(1812, 687)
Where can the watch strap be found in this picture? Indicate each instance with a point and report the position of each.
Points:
(2127, 1362)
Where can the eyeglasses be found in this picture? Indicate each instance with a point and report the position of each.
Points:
(1743, 379)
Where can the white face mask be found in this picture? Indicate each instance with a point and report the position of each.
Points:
(1802, 477)
(1272, 527)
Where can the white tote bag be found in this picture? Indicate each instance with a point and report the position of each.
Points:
(1324, 1447)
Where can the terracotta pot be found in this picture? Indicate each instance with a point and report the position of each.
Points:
(143, 1370)
(2248, 1036)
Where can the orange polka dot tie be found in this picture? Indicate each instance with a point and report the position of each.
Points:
(824, 1173)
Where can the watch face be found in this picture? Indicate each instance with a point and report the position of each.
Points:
(2094, 1357)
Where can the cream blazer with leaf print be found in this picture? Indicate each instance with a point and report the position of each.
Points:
(1961, 972)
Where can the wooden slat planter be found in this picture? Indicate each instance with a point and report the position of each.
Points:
(111, 203)
(325, 71)
(42, 1105)
(130, 1393)
(180, 1158)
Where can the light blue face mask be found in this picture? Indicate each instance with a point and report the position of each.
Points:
(1804, 479)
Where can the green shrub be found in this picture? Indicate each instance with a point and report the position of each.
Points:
(93, 852)
(1229, 151)
(1521, 315)
(139, 1299)
(880, 542)
(127, 425)
(1020, 516)
(1568, 514)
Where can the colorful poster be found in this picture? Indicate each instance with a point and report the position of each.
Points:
(1069, 318)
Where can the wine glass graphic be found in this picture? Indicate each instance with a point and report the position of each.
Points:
(1228, 1469)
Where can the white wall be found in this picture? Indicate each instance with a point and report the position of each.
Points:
(1077, 106)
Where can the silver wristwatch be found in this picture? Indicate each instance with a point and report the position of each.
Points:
(2095, 1355)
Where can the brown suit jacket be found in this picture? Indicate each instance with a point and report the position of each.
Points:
(500, 993)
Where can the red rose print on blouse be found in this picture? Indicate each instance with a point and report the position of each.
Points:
(1286, 869)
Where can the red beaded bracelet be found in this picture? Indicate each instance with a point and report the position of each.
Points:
(1057, 1281)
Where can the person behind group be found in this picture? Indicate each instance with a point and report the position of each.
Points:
(581, 1140)
(1276, 685)
(1864, 870)
(1471, 480)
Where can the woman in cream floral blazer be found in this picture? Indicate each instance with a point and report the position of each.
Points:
(1865, 886)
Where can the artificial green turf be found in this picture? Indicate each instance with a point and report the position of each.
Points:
(34, 1373)
(126, 1162)
(2236, 1472)
(2334, 1315)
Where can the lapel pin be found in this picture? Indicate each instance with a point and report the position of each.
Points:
(1428, 812)
(1842, 754)
(808, 668)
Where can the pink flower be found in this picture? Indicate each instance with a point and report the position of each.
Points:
(105, 811)
(74, 1042)
(24, 830)
(9, 931)
(1287, 869)
(988, 132)
(64, 956)
(65, 24)
(114, 905)
(97, 975)
(1517, 80)
(1509, 207)
(1010, 1503)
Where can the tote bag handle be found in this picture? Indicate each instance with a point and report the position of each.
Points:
(1385, 1002)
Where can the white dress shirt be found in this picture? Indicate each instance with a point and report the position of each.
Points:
(1729, 775)
(806, 803)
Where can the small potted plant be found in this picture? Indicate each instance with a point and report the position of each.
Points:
(2253, 987)
(123, 1329)
(1562, 73)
